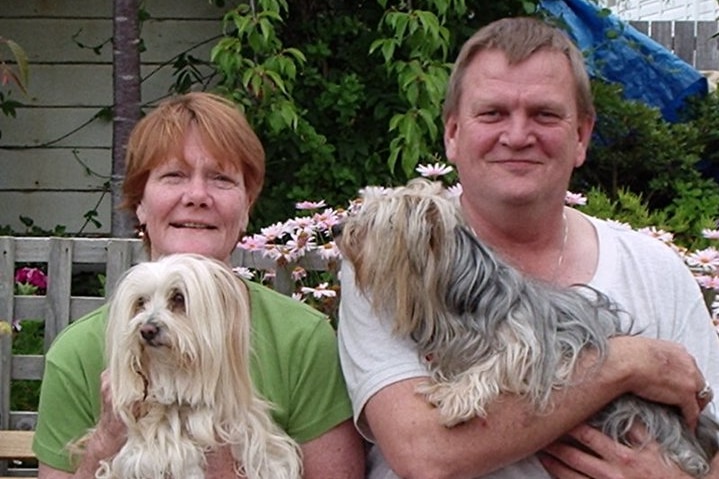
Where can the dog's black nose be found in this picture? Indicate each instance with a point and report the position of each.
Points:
(337, 229)
(149, 331)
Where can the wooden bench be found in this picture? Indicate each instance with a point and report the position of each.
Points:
(14, 446)
(61, 257)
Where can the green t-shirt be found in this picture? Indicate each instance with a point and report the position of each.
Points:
(294, 365)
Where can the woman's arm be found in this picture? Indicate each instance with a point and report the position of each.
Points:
(336, 454)
(105, 440)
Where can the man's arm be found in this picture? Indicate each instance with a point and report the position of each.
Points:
(415, 445)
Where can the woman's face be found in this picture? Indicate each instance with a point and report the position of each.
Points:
(192, 205)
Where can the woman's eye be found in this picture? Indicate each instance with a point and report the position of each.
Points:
(224, 181)
(172, 176)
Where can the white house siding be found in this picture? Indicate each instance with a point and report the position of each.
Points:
(687, 27)
(68, 86)
(650, 10)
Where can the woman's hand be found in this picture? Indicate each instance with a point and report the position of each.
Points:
(588, 453)
(100, 444)
(110, 433)
(221, 464)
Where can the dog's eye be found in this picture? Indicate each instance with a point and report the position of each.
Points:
(139, 304)
(177, 301)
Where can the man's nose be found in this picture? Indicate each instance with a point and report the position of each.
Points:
(518, 132)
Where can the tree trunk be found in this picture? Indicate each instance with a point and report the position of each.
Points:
(126, 108)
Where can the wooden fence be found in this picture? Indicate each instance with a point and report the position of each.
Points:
(694, 42)
(59, 306)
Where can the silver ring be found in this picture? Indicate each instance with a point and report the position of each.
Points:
(706, 392)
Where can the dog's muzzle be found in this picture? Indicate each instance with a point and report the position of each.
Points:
(149, 332)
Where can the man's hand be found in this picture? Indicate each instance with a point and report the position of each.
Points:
(595, 455)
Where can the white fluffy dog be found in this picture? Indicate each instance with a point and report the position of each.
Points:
(178, 346)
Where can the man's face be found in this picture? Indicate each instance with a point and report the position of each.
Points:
(516, 135)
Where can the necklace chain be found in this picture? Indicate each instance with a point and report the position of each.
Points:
(560, 259)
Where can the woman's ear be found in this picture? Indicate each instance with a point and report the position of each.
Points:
(140, 213)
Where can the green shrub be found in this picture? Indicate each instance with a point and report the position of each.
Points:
(635, 149)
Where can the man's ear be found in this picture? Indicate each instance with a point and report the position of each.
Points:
(450, 132)
(584, 136)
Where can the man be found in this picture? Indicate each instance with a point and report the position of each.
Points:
(518, 117)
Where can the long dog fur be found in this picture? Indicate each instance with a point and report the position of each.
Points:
(486, 330)
(178, 347)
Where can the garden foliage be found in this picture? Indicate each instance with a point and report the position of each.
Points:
(346, 94)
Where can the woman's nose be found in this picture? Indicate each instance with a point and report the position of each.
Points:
(197, 193)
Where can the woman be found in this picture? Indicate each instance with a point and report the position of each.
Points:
(194, 170)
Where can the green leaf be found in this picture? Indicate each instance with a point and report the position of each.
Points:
(277, 80)
(395, 149)
(296, 53)
(388, 50)
(410, 158)
(242, 24)
(612, 34)
(429, 122)
(395, 121)
(401, 20)
(267, 30)
(429, 23)
(271, 14)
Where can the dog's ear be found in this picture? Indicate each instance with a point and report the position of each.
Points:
(437, 227)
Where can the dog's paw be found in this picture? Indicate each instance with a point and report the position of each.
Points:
(454, 403)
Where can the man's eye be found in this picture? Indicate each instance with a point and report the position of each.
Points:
(489, 115)
(548, 116)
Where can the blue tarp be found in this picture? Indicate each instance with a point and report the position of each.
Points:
(617, 52)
